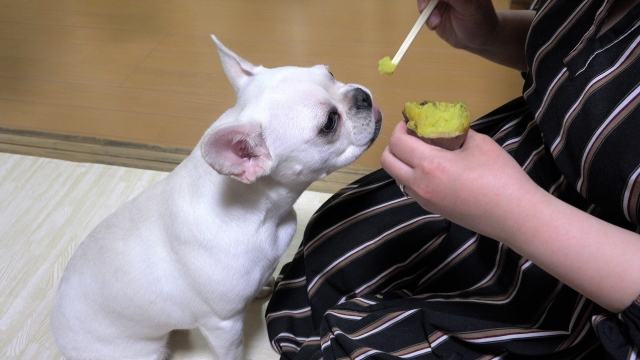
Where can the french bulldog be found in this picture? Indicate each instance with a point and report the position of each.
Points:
(194, 249)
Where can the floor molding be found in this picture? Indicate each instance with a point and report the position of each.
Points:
(121, 153)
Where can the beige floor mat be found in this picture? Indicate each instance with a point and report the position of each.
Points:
(47, 207)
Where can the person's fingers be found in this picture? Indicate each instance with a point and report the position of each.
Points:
(397, 169)
(403, 154)
(422, 4)
(436, 16)
(433, 20)
(394, 166)
(409, 148)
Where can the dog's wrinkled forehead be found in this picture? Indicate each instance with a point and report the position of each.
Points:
(291, 78)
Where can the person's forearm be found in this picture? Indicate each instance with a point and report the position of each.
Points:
(508, 43)
(600, 260)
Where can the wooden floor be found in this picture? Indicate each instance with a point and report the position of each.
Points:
(136, 83)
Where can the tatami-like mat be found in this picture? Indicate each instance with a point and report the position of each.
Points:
(47, 207)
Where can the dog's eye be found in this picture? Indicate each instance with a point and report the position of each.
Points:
(331, 74)
(332, 121)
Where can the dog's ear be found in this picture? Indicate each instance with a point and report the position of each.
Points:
(237, 150)
(238, 70)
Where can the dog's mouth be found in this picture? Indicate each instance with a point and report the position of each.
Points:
(377, 118)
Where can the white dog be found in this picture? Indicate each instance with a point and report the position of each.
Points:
(194, 249)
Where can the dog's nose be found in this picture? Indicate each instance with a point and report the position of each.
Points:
(362, 99)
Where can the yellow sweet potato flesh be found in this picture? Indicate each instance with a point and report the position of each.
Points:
(437, 119)
(385, 66)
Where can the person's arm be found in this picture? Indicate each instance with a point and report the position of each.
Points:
(482, 188)
(475, 26)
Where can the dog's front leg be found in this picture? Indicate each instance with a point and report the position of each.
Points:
(224, 337)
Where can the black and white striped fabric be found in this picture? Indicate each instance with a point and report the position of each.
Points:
(378, 277)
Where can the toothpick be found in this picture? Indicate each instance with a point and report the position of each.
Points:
(414, 31)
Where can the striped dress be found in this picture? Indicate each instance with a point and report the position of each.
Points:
(378, 277)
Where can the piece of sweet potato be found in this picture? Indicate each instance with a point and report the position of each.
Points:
(437, 123)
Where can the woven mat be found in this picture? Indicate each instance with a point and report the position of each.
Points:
(47, 207)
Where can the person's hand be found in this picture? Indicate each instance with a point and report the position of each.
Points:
(464, 24)
(470, 186)
(481, 187)
(475, 26)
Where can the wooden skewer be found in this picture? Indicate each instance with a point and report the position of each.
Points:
(414, 31)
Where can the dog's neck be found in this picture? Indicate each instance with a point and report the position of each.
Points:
(266, 195)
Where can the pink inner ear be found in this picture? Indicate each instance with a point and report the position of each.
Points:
(242, 150)
(238, 151)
